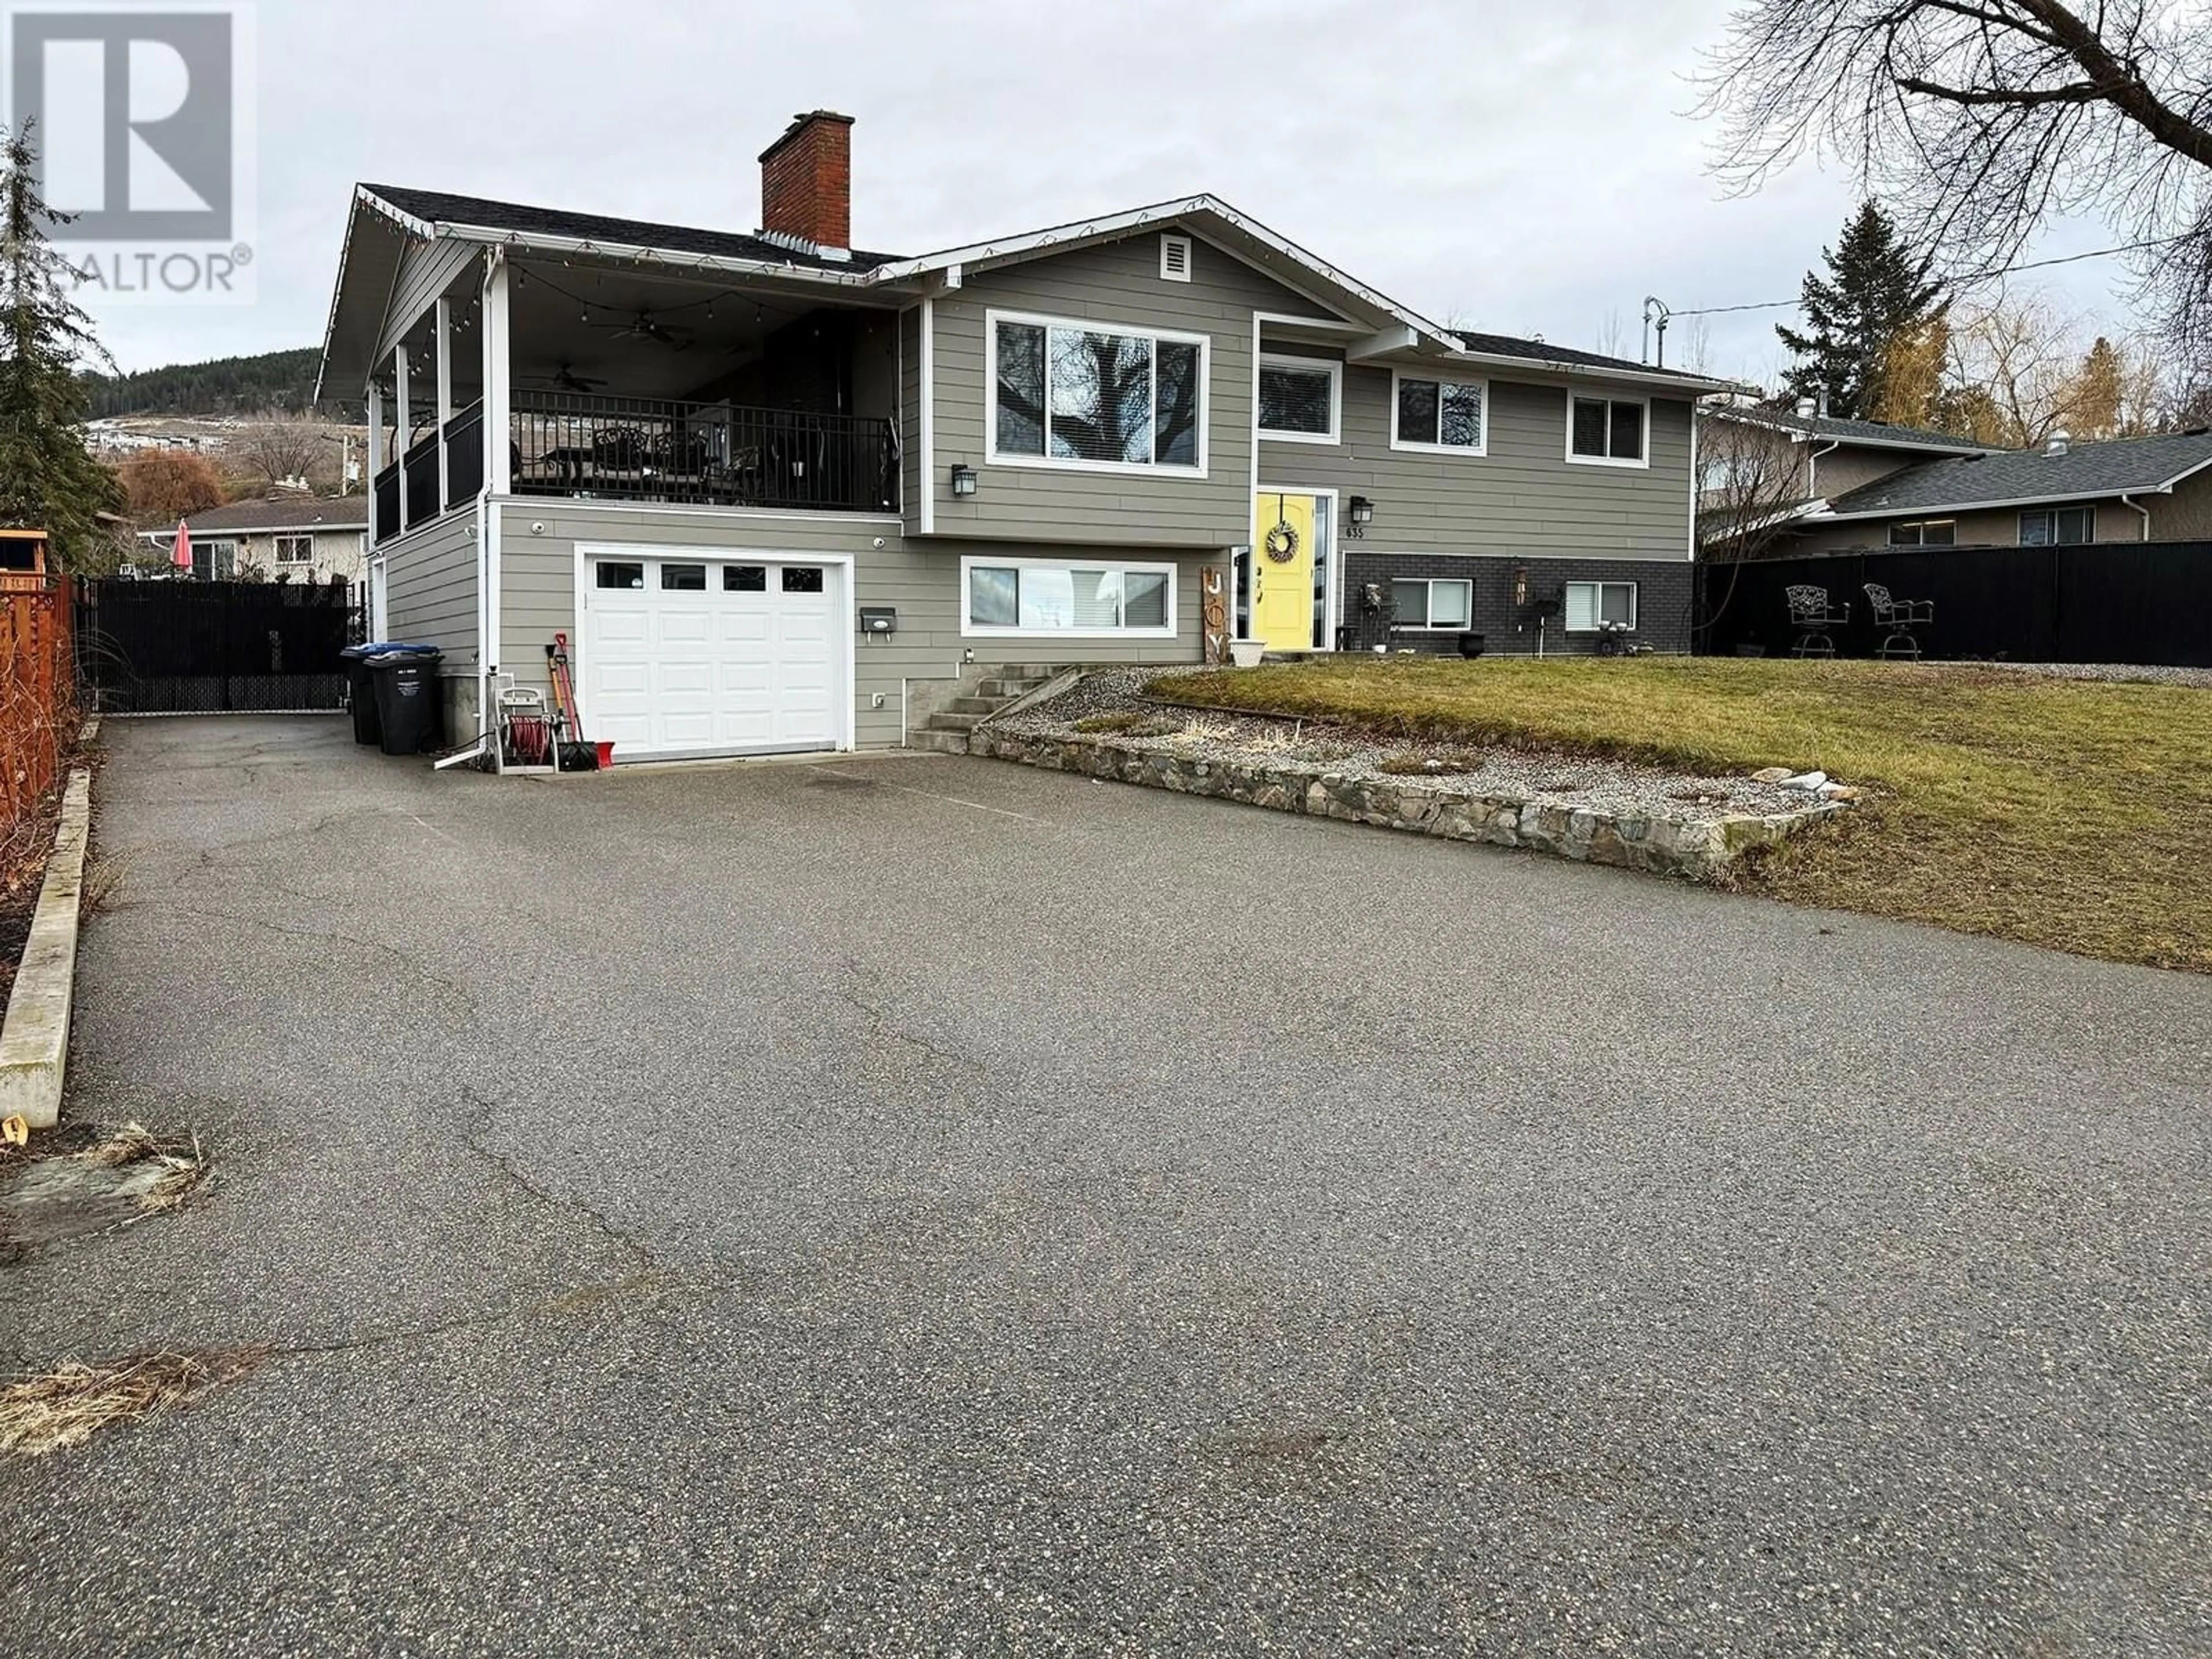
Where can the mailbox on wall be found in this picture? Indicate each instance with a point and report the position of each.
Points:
(879, 619)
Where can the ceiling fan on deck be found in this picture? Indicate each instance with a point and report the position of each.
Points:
(567, 379)
(645, 326)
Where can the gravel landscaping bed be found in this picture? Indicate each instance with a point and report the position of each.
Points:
(2112, 671)
(1612, 786)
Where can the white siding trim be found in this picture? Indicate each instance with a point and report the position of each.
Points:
(928, 418)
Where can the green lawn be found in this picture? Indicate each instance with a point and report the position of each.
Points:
(2070, 814)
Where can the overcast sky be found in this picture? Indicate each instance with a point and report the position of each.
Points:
(1524, 169)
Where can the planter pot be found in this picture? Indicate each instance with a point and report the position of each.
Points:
(1246, 654)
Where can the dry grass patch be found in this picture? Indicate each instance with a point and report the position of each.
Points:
(2073, 814)
(66, 1407)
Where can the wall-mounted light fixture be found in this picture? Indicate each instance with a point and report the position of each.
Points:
(1361, 512)
(963, 482)
(1520, 584)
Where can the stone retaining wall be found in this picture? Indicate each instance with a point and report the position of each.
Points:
(1699, 848)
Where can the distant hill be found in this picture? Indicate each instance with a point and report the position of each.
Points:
(229, 386)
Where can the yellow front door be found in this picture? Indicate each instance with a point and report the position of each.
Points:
(1283, 528)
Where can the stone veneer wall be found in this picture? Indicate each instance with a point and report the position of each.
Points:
(1664, 597)
(1699, 848)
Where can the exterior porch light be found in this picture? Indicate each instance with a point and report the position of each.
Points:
(1363, 511)
(963, 481)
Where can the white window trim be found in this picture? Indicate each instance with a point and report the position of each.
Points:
(276, 549)
(974, 630)
(1475, 452)
(1433, 583)
(1189, 256)
(1090, 325)
(1335, 433)
(1635, 606)
(1573, 460)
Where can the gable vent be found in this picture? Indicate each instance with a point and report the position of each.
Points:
(1175, 258)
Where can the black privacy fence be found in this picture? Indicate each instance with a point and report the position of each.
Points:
(191, 647)
(2112, 602)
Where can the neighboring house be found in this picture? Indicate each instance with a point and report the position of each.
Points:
(774, 491)
(301, 538)
(2127, 490)
(1799, 456)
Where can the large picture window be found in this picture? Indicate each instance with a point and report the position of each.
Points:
(1080, 395)
(1021, 596)
(1452, 416)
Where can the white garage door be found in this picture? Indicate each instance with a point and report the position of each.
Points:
(686, 654)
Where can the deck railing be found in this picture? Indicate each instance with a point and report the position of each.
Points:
(587, 445)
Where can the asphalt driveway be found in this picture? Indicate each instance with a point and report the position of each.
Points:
(923, 1206)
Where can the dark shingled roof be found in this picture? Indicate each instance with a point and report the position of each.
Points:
(285, 513)
(1863, 432)
(1504, 345)
(439, 208)
(2119, 467)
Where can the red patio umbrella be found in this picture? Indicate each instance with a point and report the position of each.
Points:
(181, 554)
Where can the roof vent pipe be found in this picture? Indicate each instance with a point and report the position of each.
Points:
(1806, 409)
(2060, 440)
(1824, 403)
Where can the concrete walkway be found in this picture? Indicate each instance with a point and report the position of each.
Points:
(925, 1206)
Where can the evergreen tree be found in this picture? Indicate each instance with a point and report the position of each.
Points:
(1875, 291)
(48, 478)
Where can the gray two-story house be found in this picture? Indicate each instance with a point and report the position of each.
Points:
(774, 491)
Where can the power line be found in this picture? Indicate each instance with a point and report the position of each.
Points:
(2031, 264)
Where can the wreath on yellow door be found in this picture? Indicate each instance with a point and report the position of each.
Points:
(1283, 543)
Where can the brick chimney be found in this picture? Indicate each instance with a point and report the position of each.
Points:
(806, 182)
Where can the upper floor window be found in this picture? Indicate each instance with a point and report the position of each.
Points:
(1452, 416)
(295, 550)
(2064, 526)
(1076, 394)
(1931, 532)
(1607, 431)
(1300, 398)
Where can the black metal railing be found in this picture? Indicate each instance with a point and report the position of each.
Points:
(465, 456)
(422, 504)
(387, 503)
(714, 454)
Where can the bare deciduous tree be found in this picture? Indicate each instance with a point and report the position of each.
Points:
(1978, 120)
(1752, 478)
(276, 450)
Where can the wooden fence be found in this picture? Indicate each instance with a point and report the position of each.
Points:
(38, 697)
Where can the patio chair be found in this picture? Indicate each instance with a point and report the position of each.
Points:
(1899, 622)
(1812, 618)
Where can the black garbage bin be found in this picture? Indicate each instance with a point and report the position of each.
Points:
(407, 698)
(361, 691)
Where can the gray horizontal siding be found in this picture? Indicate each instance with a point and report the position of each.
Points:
(1118, 283)
(427, 269)
(430, 587)
(1523, 497)
(921, 578)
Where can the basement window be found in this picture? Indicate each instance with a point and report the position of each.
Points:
(1432, 605)
(1593, 605)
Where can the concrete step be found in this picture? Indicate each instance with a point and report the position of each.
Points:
(979, 705)
(947, 721)
(942, 743)
(1008, 688)
(1023, 671)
